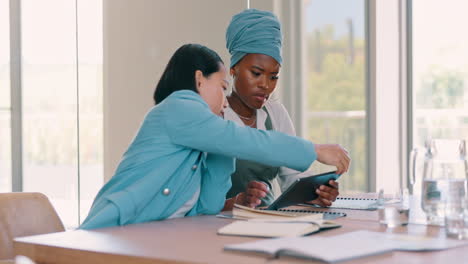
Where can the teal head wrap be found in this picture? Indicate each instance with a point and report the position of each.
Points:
(254, 31)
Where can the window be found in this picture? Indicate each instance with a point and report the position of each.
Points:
(5, 107)
(91, 117)
(336, 81)
(49, 105)
(61, 103)
(440, 70)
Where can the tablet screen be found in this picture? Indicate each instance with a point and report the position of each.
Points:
(303, 190)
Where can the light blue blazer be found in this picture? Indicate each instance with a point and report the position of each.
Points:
(181, 147)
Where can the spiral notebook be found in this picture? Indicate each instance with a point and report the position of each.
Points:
(353, 203)
(246, 212)
(326, 214)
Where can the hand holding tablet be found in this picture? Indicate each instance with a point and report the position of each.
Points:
(303, 190)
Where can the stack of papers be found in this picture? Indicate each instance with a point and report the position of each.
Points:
(262, 223)
(244, 212)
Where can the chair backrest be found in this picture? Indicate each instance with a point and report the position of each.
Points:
(25, 214)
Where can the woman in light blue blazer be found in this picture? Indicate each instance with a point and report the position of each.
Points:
(182, 158)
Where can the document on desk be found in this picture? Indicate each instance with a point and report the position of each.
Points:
(354, 203)
(263, 223)
(244, 212)
(268, 229)
(339, 248)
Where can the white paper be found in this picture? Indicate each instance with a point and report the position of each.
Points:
(346, 246)
(354, 204)
(268, 229)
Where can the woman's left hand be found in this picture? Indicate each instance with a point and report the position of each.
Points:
(327, 194)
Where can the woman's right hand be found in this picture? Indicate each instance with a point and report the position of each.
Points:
(335, 155)
(251, 197)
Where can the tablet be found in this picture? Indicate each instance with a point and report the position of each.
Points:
(303, 190)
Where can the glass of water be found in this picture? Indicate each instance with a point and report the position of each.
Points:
(394, 212)
(456, 218)
(393, 215)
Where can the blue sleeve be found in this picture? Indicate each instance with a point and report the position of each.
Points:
(192, 124)
(216, 182)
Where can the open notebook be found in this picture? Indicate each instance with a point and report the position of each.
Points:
(325, 215)
(266, 223)
(338, 248)
(256, 228)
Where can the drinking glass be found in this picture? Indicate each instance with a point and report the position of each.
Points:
(395, 211)
(456, 218)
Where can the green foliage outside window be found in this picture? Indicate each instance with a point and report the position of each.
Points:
(335, 85)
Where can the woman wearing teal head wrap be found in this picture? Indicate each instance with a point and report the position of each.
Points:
(254, 31)
(254, 41)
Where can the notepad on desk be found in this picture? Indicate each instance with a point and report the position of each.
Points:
(265, 223)
(289, 211)
(364, 243)
(268, 229)
(244, 212)
(351, 203)
(354, 203)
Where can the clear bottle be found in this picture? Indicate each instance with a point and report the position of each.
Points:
(444, 176)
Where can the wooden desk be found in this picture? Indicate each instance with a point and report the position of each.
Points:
(194, 240)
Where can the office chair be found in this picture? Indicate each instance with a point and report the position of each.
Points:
(24, 214)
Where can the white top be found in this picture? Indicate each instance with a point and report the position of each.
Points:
(182, 211)
(281, 122)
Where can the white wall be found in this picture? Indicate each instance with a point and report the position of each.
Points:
(139, 38)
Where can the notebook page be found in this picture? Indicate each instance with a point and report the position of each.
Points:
(267, 229)
(267, 246)
(338, 248)
(329, 249)
(251, 213)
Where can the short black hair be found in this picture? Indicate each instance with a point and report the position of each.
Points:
(180, 70)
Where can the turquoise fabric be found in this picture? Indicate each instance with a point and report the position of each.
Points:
(177, 134)
(254, 31)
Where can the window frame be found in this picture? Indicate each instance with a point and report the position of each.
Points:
(16, 92)
(382, 145)
(16, 104)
